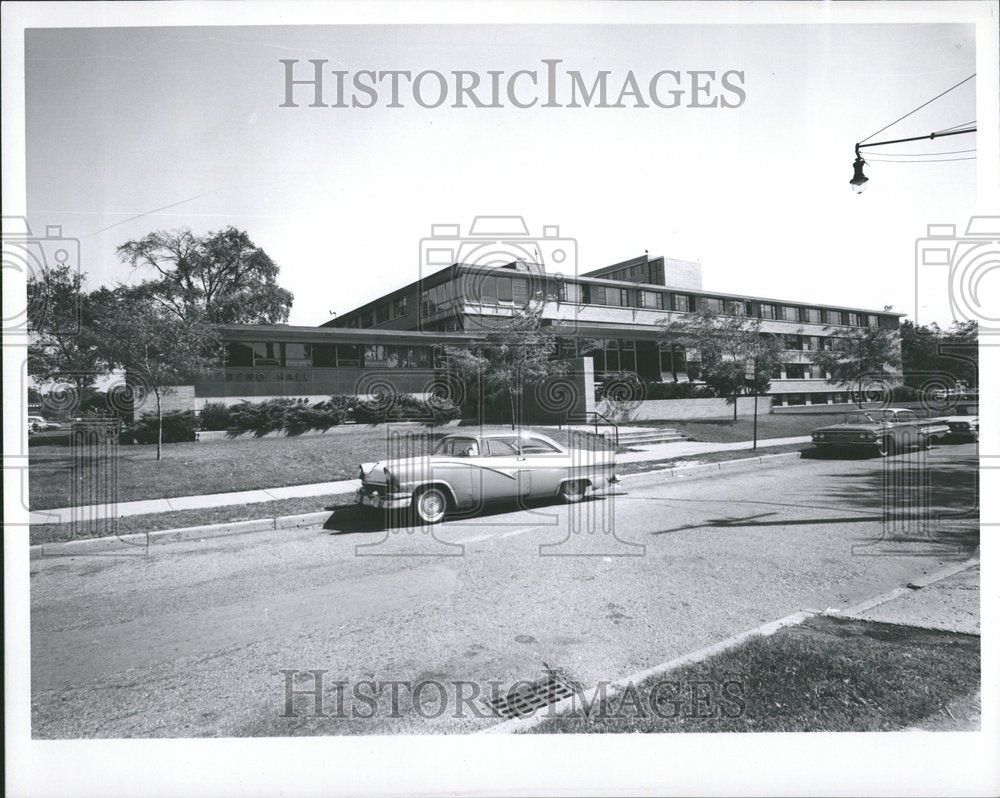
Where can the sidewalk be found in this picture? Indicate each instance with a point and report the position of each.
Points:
(62, 515)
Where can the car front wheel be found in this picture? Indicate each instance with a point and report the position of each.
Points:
(572, 492)
(885, 447)
(430, 505)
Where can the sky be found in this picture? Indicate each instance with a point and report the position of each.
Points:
(141, 129)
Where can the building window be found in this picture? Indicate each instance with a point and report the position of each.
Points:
(519, 290)
(374, 355)
(811, 343)
(656, 272)
(324, 355)
(239, 355)
(597, 295)
(712, 304)
(735, 307)
(267, 354)
(792, 342)
(298, 355)
(488, 289)
(873, 320)
(815, 372)
(367, 319)
(795, 398)
(627, 355)
(505, 290)
(682, 303)
(382, 313)
(399, 307)
(568, 292)
(652, 300)
(767, 311)
(788, 313)
(672, 358)
(795, 371)
(853, 319)
(812, 315)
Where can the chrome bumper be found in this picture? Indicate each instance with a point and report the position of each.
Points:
(389, 501)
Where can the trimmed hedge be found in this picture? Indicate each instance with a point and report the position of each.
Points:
(295, 416)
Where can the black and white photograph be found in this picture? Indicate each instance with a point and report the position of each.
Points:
(501, 398)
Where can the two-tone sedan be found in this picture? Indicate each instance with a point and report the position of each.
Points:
(964, 425)
(466, 471)
(882, 432)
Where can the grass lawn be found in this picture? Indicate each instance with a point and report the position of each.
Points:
(768, 426)
(178, 519)
(826, 674)
(240, 464)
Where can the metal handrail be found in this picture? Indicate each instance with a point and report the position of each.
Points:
(598, 415)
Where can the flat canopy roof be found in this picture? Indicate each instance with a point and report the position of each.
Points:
(342, 335)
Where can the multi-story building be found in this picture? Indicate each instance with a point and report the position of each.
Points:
(613, 315)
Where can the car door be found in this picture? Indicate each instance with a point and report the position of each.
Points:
(544, 465)
(498, 468)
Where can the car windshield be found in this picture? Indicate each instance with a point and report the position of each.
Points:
(859, 418)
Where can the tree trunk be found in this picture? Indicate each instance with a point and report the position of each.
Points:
(736, 393)
(159, 427)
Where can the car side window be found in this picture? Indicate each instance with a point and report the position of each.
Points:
(466, 447)
(537, 446)
(501, 447)
(906, 415)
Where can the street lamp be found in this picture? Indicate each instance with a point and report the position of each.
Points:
(859, 181)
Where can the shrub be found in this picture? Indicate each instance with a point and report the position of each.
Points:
(407, 408)
(178, 426)
(215, 416)
(906, 393)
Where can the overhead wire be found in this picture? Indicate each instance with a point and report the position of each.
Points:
(932, 99)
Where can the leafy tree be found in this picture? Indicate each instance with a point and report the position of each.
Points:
(729, 348)
(157, 349)
(928, 352)
(861, 355)
(508, 359)
(63, 343)
(222, 277)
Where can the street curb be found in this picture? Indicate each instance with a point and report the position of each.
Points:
(689, 472)
(94, 545)
(590, 696)
(91, 545)
(911, 587)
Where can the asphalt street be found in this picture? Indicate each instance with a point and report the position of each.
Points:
(195, 639)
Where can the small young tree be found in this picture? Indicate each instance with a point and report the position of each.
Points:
(509, 359)
(860, 355)
(727, 346)
(157, 349)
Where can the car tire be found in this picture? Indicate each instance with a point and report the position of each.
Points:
(430, 505)
(929, 442)
(886, 447)
(573, 491)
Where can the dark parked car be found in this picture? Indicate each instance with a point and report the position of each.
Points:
(882, 432)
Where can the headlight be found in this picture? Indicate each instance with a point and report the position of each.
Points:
(818, 436)
(391, 482)
(361, 472)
